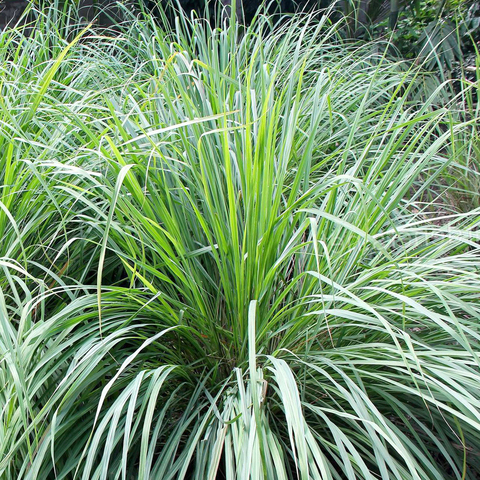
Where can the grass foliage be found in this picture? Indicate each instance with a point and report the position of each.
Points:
(222, 257)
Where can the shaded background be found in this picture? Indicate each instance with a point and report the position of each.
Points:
(11, 10)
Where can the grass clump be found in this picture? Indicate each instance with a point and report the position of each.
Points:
(217, 262)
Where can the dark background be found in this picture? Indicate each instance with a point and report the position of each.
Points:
(11, 10)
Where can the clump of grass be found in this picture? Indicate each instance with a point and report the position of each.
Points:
(216, 266)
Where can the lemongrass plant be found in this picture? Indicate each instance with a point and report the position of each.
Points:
(217, 264)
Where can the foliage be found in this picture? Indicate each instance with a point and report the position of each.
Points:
(216, 262)
(440, 32)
